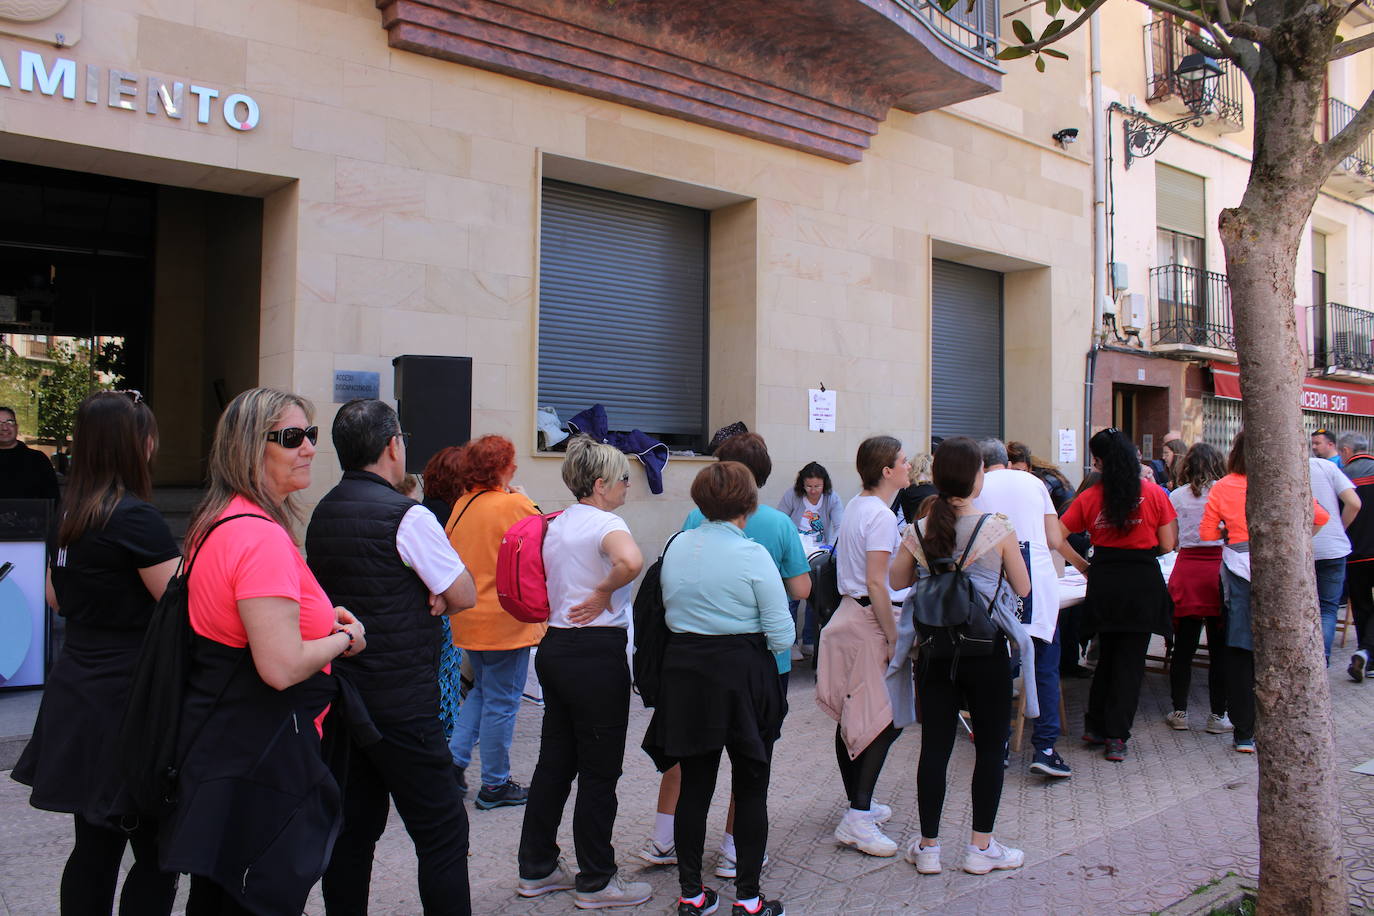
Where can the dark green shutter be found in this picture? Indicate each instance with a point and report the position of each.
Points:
(622, 310)
(965, 351)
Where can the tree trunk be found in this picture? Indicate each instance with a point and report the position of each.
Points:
(1301, 870)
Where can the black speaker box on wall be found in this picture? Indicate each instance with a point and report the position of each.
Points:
(434, 399)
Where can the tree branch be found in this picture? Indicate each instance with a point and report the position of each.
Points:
(1343, 143)
(1249, 31)
(1083, 17)
(1352, 46)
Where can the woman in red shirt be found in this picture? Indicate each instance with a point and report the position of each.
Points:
(1131, 521)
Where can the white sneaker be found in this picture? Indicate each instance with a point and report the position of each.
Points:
(981, 861)
(655, 854)
(1178, 719)
(925, 858)
(880, 814)
(726, 867)
(857, 829)
(1219, 725)
(617, 892)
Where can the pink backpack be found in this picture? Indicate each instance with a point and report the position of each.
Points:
(521, 586)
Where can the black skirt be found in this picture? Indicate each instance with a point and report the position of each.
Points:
(716, 691)
(71, 759)
(1126, 594)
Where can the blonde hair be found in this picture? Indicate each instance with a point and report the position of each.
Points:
(586, 461)
(920, 468)
(237, 457)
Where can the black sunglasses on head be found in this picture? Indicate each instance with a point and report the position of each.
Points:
(293, 436)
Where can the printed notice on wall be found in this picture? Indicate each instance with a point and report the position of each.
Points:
(822, 410)
(1068, 446)
(351, 384)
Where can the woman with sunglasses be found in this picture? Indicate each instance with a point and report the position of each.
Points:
(497, 645)
(113, 556)
(258, 808)
(590, 560)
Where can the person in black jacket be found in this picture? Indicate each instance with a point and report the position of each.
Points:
(25, 473)
(1358, 465)
(385, 556)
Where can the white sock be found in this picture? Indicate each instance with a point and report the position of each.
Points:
(751, 904)
(663, 830)
(727, 845)
(698, 900)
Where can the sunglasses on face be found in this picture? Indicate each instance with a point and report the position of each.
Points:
(293, 436)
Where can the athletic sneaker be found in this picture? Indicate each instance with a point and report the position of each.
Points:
(687, 908)
(617, 892)
(508, 793)
(1218, 725)
(925, 858)
(1093, 739)
(560, 879)
(857, 829)
(765, 908)
(881, 814)
(727, 868)
(1049, 763)
(1245, 745)
(981, 861)
(655, 854)
(1116, 749)
(1178, 719)
(1358, 662)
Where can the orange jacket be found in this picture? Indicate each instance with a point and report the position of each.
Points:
(1226, 506)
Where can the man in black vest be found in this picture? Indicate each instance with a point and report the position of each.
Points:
(384, 556)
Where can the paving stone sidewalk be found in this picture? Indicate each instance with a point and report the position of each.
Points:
(1131, 837)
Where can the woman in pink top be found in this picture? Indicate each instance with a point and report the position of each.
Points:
(257, 807)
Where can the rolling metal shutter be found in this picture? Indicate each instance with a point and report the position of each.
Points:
(1179, 202)
(622, 310)
(965, 351)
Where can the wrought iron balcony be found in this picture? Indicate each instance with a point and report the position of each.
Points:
(1341, 339)
(1192, 310)
(1220, 99)
(972, 27)
(1355, 174)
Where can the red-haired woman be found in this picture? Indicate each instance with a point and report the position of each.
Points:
(497, 645)
(441, 492)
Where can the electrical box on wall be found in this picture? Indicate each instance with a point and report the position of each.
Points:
(1121, 277)
(1133, 312)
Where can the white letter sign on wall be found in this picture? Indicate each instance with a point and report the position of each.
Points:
(31, 67)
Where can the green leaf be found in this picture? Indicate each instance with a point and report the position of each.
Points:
(1013, 53)
(1054, 53)
(1052, 29)
(1052, 7)
(946, 5)
(1023, 32)
(1040, 63)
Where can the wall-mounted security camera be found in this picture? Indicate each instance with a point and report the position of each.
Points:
(1065, 136)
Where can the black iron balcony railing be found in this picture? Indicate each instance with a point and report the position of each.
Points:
(971, 26)
(1192, 306)
(1341, 337)
(1221, 97)
(1361, 161)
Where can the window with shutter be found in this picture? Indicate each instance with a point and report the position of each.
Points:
(965, 351)
(623, 310)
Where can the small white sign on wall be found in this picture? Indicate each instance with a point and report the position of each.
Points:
(821, 410)
(1068, 446)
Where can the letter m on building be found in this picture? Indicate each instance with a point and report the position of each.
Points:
(32, 69)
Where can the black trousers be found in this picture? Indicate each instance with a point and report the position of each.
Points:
(1359, 581)
(1115, 690)
(88, 881)
(985, 684)
(749, 781)
(413, 766)
(860, 775)
(1240, 691)
(1187, 631)
(586, 682)
(209, 899)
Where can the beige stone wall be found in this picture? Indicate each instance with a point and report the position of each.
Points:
(401, 200)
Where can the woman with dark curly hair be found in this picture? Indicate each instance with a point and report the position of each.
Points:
(497, 645)
(441, 492)
(1132, 522)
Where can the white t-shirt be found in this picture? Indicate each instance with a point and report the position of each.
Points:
(425, 548)
(869, 524)
(1328, 483)
(1021, 497)
(574, 565)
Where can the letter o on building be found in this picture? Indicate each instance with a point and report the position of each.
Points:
(231, 111)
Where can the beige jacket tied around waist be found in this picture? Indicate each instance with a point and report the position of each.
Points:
(851, 681)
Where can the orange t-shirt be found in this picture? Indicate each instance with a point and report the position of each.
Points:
(1226, 506)
(477, 538)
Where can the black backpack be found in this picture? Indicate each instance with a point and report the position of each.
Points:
(952, 618)
(825, 594)
(150, 729)
(651, 631)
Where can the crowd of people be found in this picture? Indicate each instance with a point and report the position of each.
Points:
(324, 684)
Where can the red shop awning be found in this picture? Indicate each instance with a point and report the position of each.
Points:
(1325, 395)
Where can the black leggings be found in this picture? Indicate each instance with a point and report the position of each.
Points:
(88, 881)
(860, 775)
(209, 899)
(749, 782)
(985, 683)
(1186, 633)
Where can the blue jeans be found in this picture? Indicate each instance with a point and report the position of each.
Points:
(1046, 731)
(1330, 584)
(487, 716)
